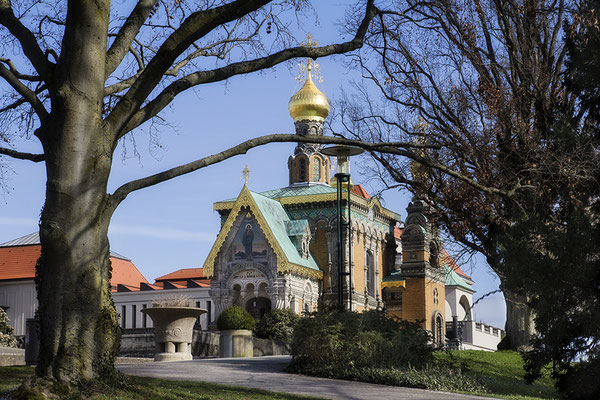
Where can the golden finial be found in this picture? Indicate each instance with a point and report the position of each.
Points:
(246, 173)
(309, 102)
(309, 68)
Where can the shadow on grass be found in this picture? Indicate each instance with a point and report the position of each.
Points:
(134, 388)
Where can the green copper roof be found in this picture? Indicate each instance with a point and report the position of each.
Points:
(294, 190)
(296, 228)
(277, 219)
(453, 279)
(299, 190)
(393, 277)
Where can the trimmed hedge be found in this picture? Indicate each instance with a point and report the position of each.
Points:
(235, 318)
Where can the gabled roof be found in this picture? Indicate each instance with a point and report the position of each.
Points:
(183, 274)
(447, 258)
(360, 191)
(272, 220)
(453, 279)
(18, 258)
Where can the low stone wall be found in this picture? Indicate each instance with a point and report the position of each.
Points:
(11, 356)
(267, 347)
(140, 343)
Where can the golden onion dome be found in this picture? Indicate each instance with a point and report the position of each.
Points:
(309, 102)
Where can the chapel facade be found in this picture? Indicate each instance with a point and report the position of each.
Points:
(278, 249)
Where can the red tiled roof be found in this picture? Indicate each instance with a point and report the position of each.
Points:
(125, 273)
(202, 283)
(450, 261)
(18, 262)
(183, 274)
(360, 191)
(397, 232)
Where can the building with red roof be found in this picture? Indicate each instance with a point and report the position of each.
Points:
(18, 258)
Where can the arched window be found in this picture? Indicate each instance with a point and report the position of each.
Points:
(370, 262)
(433, 254)
(302, 173)
(316, 170)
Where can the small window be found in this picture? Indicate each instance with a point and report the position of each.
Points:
(133, 316)
(144, 317)
(370, 261)
(123, 316)
(436, 296)
(302, 174)
(316, 170)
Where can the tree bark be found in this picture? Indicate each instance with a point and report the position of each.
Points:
(78, 322)
(519, 320)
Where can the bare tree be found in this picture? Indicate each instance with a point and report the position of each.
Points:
(481, 83)
(83, 76)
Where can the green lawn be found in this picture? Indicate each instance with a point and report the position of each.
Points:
(155, 389)
(501, 372)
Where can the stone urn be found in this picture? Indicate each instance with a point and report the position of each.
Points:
(173, 331)
(236, 343)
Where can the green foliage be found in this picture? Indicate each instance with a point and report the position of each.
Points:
(333, 340)
(7, 338)
(432, 377)
(277, 324)
(235, 318)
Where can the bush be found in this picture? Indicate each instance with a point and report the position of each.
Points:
(333, 340)
(7, 337)
(277, 324)
(235, 318)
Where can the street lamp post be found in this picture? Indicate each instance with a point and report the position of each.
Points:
(344, 218)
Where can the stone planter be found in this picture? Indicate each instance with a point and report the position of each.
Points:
(236, 343)
(173, 330)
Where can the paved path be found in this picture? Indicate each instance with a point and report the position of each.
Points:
(267, 373)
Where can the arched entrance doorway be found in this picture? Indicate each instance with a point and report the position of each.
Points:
(258, 307)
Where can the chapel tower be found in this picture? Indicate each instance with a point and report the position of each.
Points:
(309, 107)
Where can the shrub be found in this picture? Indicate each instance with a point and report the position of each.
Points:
(235, 318)
(7, 338)
(277, 324)
(333, 340)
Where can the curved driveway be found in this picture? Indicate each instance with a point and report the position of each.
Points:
(267, 373)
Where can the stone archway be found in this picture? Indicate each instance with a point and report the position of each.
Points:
(258, 307)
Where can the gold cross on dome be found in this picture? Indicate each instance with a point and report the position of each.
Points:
(246, 173)
(309, 66)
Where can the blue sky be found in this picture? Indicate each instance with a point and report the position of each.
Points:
(172, 225)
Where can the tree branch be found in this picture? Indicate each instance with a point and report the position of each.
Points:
(196, 26)
(22, 156)
(168, 94)
(397, 148)
(28, 42)
(127, 34)
(24, 91)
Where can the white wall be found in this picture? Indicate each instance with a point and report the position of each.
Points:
(125, 301)
(21, 297)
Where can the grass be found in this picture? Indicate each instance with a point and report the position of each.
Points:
(154, 389)
(501, 373)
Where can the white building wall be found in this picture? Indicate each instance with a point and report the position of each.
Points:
(21, 297)
(125, 302)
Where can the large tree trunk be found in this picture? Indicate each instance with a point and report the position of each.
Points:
(519, 320)
(79, 329)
